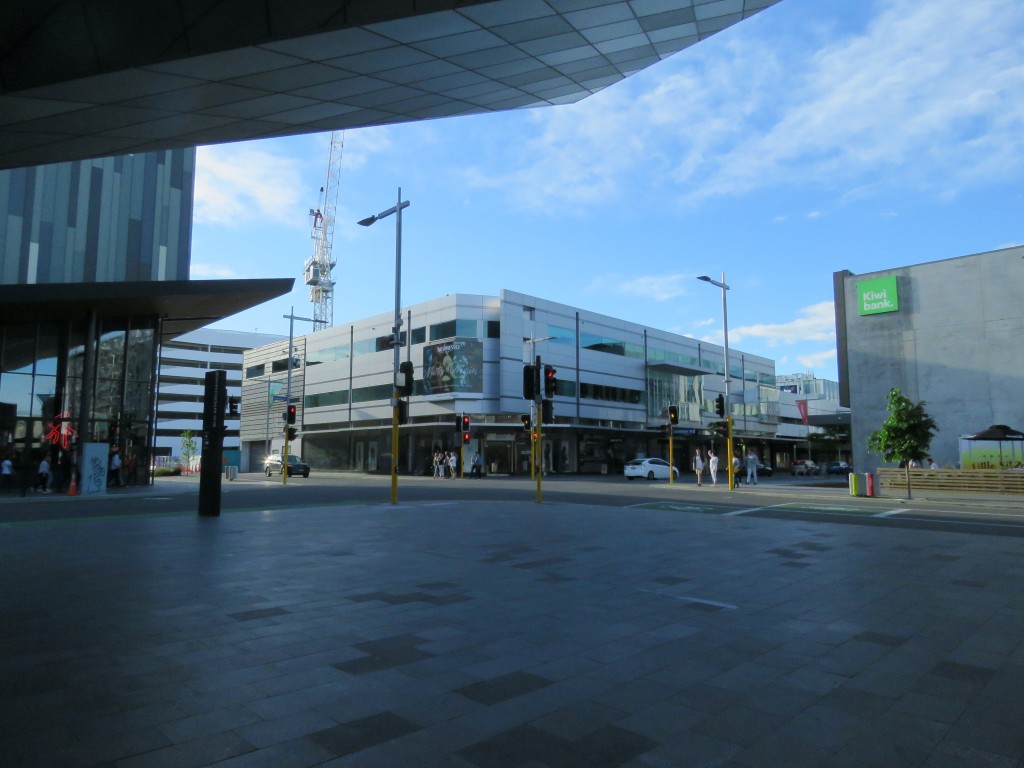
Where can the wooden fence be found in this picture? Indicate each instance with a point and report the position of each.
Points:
(894, 481)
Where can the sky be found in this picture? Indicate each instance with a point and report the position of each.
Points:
(816, 136)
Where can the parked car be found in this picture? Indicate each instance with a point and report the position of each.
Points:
(804, 467)
(839, 468)
(274, 465)
(652, 469)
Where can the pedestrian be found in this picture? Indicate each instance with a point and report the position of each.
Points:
(6, 475)
(931, 463)
(438, 470)
(43, 475)
(452, 463)
(713, 466)
(736, 472)
(751, 466)
(114, 475)
(698, 465)
(477, 465)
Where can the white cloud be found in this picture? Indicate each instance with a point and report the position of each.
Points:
(238, 184)
(653, 287)
(814, 323)
(705, 323)
(210, 271)
(817, 360)
(927, 96)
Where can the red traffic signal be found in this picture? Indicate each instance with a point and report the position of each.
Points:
(550, 382)
(290, 414)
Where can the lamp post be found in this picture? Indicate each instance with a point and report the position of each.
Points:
(291, 318)
(396, 330)
(728, 412)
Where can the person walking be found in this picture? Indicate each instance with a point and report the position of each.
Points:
(751, 467)
(6, 475)
(477, 465)
(698, 465)
(737, 474)
(43, 475)
(713, 466)
(452, 464)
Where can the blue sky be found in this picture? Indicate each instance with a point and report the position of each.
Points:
(818, 135)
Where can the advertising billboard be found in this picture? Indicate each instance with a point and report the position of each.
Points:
(453, 366)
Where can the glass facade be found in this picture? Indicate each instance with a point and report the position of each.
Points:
(59, 390)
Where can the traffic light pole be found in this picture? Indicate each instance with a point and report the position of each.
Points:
(671, 458)
(539, 442)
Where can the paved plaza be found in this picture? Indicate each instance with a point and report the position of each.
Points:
(507, 634)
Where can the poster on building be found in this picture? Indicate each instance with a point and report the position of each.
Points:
(453, 366)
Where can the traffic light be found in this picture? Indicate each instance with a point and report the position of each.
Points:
(550, 382)
(233, 403)
(547, 412)
(290, 414)
(529, 382)
(673, 414)
(291, 434)
(458, 422)
(405, 380)
(465, 428)
(526, 421)
(403, 411)
(720, 405)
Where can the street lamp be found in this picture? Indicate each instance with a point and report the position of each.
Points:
(396, 330)
(728, 412)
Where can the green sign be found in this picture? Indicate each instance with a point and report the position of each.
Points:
(878, 295)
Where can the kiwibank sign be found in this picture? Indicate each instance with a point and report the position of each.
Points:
(878, 295)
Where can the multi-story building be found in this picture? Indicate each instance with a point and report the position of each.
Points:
(950, 333)
(184, 363)
(616, 380)
(93, 278)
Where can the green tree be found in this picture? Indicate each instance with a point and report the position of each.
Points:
(188, 448)
(906, 435)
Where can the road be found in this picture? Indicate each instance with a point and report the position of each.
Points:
(782, 498)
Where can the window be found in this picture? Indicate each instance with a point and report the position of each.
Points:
(327, 355)
(561, 335)
(493, 329)
(419, 335)
(445, 330)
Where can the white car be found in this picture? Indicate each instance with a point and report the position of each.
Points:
(652, 469)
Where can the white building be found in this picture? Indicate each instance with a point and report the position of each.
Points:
(184, 363)
(616, 380)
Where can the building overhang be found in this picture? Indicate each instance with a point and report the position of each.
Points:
(182, 305)
(840, 419)
(91, 79)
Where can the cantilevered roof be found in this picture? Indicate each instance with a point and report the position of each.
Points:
(184, 305)
(91, 78)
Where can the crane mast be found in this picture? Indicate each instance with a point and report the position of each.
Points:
(317, 271)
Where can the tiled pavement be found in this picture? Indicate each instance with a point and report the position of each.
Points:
(507, 635)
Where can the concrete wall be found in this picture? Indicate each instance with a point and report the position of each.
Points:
(956, 342)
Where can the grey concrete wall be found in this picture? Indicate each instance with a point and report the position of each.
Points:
(957, 342)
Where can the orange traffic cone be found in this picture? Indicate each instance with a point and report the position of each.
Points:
(73, 490)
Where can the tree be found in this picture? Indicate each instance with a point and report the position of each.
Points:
(906, 435)
(188, 448)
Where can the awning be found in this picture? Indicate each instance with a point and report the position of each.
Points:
(184, 305)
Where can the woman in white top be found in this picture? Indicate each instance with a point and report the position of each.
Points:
(698, 465)
(713, 466)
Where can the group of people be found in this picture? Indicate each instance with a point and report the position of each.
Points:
(446, 464)
(711, 464)
(47, 475)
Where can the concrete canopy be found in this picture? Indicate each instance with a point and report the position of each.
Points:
(92, 78)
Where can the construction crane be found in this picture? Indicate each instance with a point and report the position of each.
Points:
(318, 267)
